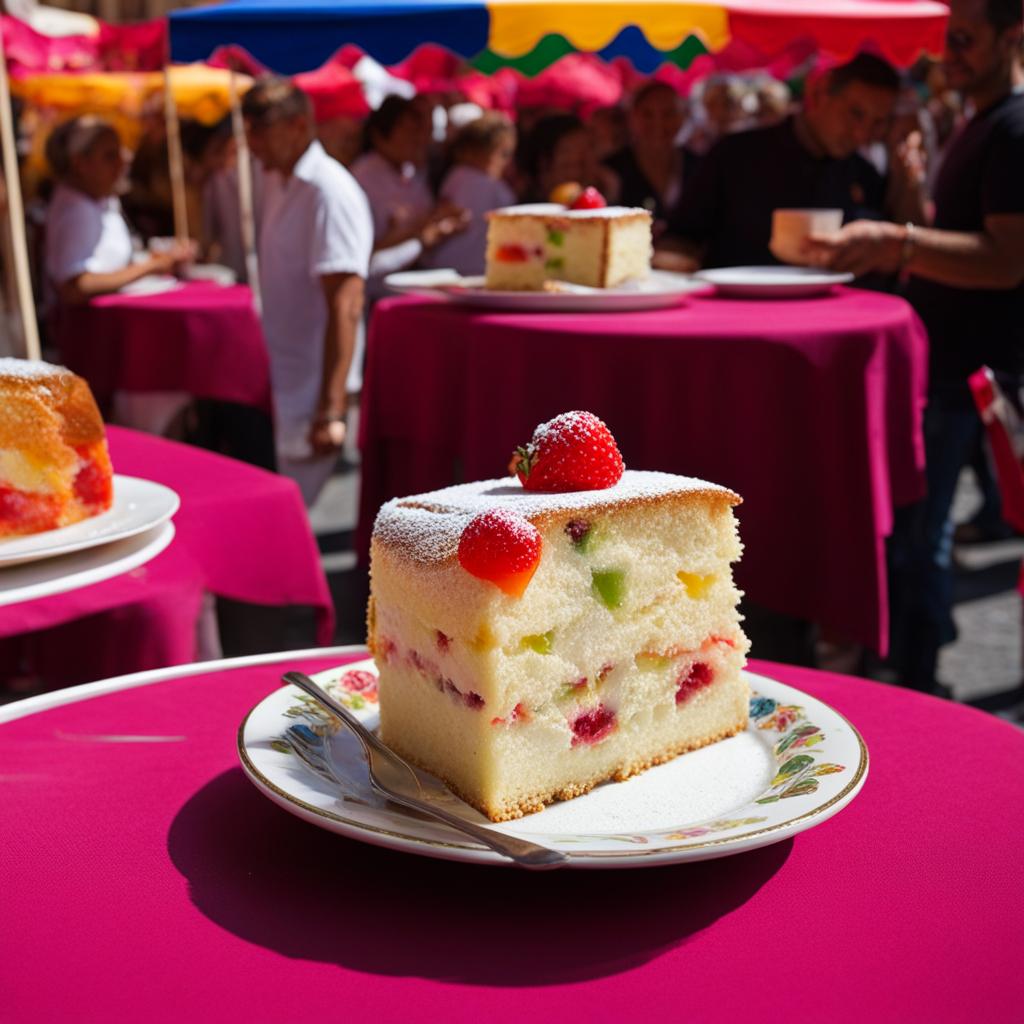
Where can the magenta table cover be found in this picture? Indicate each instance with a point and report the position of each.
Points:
(146, 879)
(201, 338)
(242, 533)
(810, 409)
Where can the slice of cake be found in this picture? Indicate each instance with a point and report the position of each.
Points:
(533, 644)
(54, 465)
(528, 246)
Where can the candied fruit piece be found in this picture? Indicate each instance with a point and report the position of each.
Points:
(650, 661)
(581, 534)
(511, 254)
(696, 585)
(593, 726)
(539, 642)
(502, 548)
(610, 586)
(690, 680)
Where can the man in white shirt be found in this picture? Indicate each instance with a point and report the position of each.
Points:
(315, 241)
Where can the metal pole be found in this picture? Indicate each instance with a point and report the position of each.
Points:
(174, 157)
(16, 210)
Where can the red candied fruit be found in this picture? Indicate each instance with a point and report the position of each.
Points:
(520, 713)
(93, 486)
(443, 642)
(589, 199)
(502, 548)
(27, 513)
(695, 678)
(592, 726)
(511, 254)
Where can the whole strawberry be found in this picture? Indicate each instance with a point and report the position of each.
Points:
(572, 452)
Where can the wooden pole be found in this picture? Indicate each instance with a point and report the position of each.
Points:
(175, 159)
(247, 217)
(16, 211)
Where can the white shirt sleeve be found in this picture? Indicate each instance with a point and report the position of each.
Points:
(73, 233)
(342, 232)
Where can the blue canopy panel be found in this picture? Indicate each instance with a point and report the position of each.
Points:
(632, 44)
(300, 36)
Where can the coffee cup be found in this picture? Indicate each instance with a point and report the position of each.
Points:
(791, 228)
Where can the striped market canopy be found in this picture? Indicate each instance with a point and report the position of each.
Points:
(529, 35)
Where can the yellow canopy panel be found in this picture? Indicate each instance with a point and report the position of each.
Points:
(517, 26)
(200, 92)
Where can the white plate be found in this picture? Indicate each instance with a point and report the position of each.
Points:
(139, 505)
(797, 764)
(151, 284)
(656, 291)
(771, 282)
(215, 272)
(83, 568)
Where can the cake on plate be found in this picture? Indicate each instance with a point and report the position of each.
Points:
(535, 637)
(54, 465)
(531, 246)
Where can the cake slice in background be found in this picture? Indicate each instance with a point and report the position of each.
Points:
(533, 643)
(54, 465)
(529, 246)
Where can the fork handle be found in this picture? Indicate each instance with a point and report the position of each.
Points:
(522, 851)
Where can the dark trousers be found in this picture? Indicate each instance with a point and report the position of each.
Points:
(921, 546)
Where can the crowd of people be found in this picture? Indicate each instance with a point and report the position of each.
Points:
(929, 174)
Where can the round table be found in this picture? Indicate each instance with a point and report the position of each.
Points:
(810, 409)
(242, 533)
(199, 338)
(142, 866)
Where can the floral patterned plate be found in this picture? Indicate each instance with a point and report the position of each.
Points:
(797, 764)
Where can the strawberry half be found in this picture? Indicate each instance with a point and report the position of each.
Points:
(572, 452)
(502, 548)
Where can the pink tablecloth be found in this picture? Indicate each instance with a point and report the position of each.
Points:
(201, 338)
(145, 878)
(810, 409)
(242, 533)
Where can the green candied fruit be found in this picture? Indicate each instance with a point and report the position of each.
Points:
(539, 642)
(555, 263)
(648, 661)
(610, 586)
(556, 237)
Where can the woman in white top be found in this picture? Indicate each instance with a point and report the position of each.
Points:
(480, 152)
(88, 245)
(89, 248)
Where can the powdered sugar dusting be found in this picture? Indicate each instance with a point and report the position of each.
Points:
(29, 369)
(572, 425)
(427, 527)
(557, 210)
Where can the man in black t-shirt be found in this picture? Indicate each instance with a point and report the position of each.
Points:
(967, 285)
(809, 160)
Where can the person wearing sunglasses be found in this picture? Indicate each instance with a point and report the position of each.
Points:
(967, 284)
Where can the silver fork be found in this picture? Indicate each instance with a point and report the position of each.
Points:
(395, 779)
